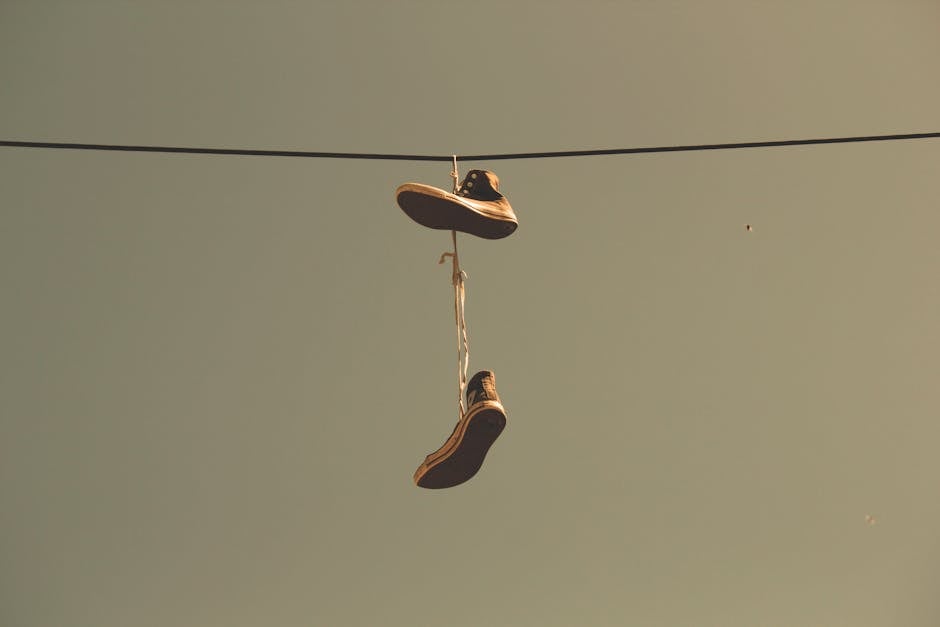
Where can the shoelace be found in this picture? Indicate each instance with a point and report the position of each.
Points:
(463, 340)
(458, 277)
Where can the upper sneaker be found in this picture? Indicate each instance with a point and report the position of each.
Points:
(462, 454)
(477, 208)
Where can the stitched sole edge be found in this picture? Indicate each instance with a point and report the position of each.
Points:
(430, 207)
(466, 448)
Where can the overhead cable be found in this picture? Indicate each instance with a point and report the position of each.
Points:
(481, 157)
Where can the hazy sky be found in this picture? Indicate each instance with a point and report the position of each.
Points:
(218, 374)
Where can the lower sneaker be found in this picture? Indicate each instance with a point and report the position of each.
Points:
(477, 208)
(462, 454)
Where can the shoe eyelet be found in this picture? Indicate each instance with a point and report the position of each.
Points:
(469, 183)
(473, 175)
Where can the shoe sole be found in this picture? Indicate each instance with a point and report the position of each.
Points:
(430, 207)
(463, 453)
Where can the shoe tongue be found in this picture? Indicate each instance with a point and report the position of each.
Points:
(481, 387)
(480, 185)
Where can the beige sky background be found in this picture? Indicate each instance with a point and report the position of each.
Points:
(218, 374)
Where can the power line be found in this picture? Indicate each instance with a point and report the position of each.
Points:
(763, 144)
(490, 157)
(225, 151)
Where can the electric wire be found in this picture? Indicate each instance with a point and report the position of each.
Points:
(450, 157)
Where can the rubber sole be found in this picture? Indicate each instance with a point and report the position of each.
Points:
(461, 457)
(451, 214)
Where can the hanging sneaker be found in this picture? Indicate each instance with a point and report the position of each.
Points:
(462, 454)
(477, 208)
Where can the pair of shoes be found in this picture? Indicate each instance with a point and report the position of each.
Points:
(477, 208)
(462, 454)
